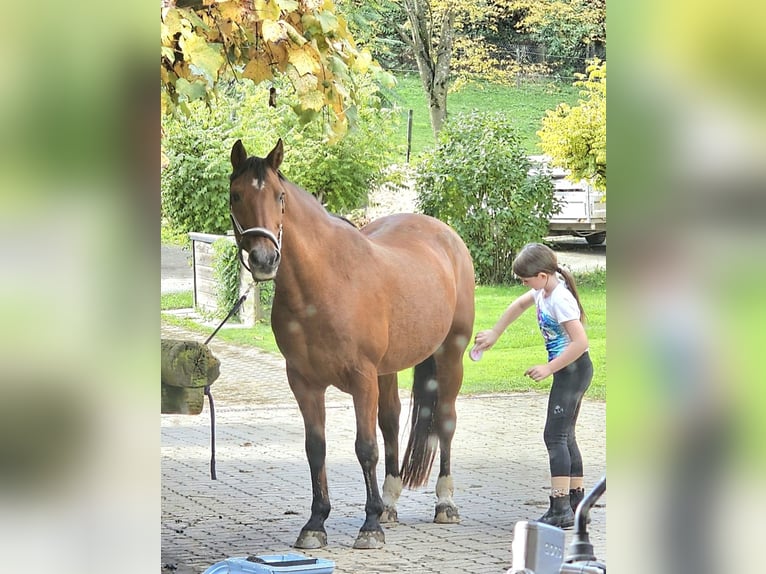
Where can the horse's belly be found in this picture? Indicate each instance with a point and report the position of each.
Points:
(412, 341)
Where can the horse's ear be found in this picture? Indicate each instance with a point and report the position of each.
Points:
(274, 159)
(238, 155)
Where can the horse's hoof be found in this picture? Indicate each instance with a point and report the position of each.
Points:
(446, 514)
(309, 540)
(389, 516)
(368, 540)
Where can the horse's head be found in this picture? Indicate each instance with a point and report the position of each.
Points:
(257, 205)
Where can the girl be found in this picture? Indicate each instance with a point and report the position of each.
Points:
(560, 317)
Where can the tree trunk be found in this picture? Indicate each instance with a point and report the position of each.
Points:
(433, 56)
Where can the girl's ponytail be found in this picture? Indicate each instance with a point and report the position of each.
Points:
(570, 283)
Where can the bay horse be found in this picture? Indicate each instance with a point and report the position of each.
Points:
(353, 307)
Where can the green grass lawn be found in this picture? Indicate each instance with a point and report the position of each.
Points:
(181, 300)
(526, 105)
(502, 368)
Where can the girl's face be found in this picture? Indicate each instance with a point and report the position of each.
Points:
(539, 281)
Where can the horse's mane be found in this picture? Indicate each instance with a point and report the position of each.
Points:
(351, 223)
(258, 165)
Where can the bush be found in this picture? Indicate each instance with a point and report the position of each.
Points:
(226, 275)
(195, 183)
(340, 175)
(477, 180)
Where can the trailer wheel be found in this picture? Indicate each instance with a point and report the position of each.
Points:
(596, 238)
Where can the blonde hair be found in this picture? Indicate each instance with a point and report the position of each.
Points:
(537, 258)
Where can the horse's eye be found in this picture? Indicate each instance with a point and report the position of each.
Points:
(234, 196)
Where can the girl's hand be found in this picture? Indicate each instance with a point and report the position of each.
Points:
(485, 339)
(538, 372)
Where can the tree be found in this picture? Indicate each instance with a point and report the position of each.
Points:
(454, 42)
(569, 30)
(304, 40)
(437, 30)
(477, 180)
(575, 137)
(431, 38)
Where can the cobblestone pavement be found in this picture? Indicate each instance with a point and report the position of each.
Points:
(262, 496)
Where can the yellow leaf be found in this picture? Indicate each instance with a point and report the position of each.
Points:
(312, 101)
(226, 29)
(165, 35)
(230, 11)
(288, 5)
(266, 9)
(278, 53)
(362, 62)
(304, 59)
(172, 23)
(303, 84)
(273, 31)
(258, 69)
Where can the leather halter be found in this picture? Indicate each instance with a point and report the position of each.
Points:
(256, 232)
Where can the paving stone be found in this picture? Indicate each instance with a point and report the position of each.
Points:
(262, 496)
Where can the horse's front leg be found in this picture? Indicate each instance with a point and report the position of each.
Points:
(389, 408)
(311, 400)
(365, 393)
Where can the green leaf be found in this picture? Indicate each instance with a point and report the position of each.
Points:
(190, 90)
(305, 116)
(337, 66)
(195, 20)
(328, 21)
(205, 59)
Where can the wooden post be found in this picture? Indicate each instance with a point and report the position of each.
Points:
(409, 134)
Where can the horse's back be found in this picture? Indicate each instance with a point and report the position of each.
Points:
(411, 232)
(390, 228)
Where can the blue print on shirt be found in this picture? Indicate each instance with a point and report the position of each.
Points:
(556, 338)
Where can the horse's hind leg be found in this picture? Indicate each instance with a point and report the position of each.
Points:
(389, 407)
(449, 369)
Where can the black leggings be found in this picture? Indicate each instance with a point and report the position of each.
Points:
(569, 386)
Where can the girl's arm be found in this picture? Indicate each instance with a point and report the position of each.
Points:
(485, 339)
(576, 347)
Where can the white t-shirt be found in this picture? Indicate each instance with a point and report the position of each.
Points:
(552, 311)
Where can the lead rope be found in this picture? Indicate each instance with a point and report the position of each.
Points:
(234, 309)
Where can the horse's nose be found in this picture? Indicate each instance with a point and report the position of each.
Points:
(264, 258)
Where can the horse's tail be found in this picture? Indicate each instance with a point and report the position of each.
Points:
(421, 447)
